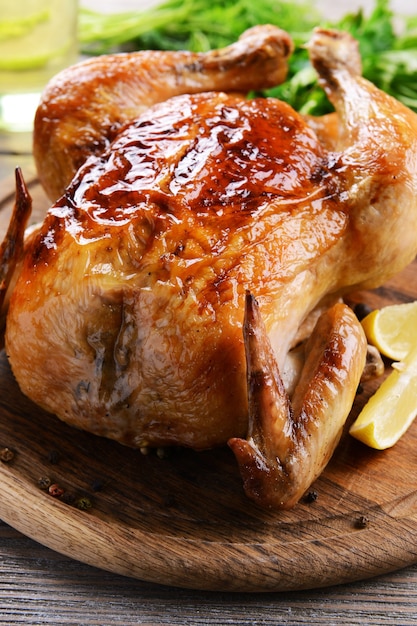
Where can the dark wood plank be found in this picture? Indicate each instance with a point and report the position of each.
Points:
(183, 520)
(40, 586)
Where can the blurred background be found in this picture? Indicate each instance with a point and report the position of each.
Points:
(332, 9)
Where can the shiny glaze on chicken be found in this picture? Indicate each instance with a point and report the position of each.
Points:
(155, 244)
(84, 107)
(160, 299)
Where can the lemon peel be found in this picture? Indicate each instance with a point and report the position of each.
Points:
(391, 410)
(392, 329)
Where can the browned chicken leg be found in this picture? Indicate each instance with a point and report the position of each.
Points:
(84, 107)
(126, 319)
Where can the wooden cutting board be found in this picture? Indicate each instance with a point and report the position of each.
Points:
(183, 520)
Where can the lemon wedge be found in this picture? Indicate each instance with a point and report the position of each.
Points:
(392, 329)
(392, 408)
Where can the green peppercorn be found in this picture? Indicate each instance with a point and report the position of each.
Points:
(83, 503)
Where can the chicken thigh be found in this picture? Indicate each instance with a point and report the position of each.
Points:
(160, 299)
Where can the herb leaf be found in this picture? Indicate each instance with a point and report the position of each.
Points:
(389, 59)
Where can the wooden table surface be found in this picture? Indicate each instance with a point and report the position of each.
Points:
(40, 586)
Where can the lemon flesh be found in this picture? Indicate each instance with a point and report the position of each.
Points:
(392, 408)
(392, 329)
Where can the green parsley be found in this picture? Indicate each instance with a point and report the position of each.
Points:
(389, 57)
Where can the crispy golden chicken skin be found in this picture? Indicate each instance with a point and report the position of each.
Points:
(85, 106)
(160, 299)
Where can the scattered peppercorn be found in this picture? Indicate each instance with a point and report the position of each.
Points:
(68, 497)
(53, 457)
(311, 496)
(97, 485)
(55, 491)
(361, 522)
(83, 503)
(44, 482)
(6, 455)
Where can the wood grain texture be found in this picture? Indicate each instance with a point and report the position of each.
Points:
(40, 586)
(184, 521)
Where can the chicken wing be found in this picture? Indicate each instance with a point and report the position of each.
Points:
(290, 441)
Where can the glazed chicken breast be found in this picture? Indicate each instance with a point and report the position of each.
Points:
(84, 107)
(159, 302)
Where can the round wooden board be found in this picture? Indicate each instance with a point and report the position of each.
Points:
(183, 520)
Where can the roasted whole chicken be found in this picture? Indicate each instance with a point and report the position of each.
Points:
(186, 288)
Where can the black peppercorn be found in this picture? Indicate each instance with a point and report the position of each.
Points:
(44, 482)
(361, 521)
(6, 455)
(53, 457)
(311, 496)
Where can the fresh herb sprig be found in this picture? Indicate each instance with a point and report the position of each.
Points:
(389, 59)
(379, 46)
(195, 25)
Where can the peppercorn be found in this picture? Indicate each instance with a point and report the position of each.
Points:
(6, 455)
(68, 497)
(55, 491)
(361, 521)
(53, 457)
(97, 485)
(311, 496)
(83, 503)
(44, 482)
